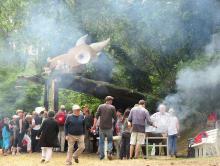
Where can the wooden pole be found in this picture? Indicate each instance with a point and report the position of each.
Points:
(46, 95)
(56, 96)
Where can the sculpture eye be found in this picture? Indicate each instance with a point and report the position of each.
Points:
(83, 57)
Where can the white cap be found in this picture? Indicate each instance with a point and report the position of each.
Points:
(62, 107)
(15, 116)
(171, 111)
(38, 110)
(76, 107)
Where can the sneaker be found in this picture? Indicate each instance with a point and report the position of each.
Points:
(42, 160)
(46, 161)
(102, 157)
(76, 160)
(18, 153)
(109, 156)
(68, 163)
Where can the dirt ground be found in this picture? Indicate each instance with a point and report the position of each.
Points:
(92, 160)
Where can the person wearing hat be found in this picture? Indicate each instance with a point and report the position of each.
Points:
(106, 112)
(35, 127)
(19, 132)
(48, 137)
(74, 131)
(61, 118)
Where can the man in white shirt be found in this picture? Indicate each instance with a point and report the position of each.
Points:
(173, 130)
(160, 119)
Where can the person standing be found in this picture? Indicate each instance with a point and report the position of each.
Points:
(88, 125)
(173, 130)
(6, 136)
(107, 114)
(48, 134)
(137, 118)
(125, 139)
(160, 119)
(19, 132)
(74, 130)
(36, 124)
(61, 118)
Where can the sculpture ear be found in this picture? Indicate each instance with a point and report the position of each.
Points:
(49, 59)
(82, 40)
(97, 47)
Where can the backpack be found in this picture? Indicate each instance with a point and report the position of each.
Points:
(199, 137)
(61, 118)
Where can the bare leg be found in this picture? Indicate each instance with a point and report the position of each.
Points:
(137, 150)
(131, 150)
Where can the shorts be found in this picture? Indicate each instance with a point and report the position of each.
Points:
(137, 138)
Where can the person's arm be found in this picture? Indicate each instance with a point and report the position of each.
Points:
(98, 113)
(66, 126)
(41, 129)
(130, 118)
(20, 125)
(84, 126)
(177, 125)
(57, 128)
(33, 123)
(149, 121)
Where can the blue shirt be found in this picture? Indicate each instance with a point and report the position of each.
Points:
(75, 125)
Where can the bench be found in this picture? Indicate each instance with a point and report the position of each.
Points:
(154, 145)
(209, 146)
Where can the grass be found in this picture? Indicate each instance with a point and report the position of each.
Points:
(92, 160)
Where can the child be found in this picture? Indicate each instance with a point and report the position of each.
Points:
(6, 136)
(173, 130)
(48, 134)
(125, 140)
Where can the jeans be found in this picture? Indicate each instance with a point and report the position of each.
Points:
(102, 134)
(125, 145)
(172, 141)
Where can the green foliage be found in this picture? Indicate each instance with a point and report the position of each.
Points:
(150, 43)
(68, 98)
(14, 95)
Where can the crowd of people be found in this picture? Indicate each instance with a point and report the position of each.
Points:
(76, 130)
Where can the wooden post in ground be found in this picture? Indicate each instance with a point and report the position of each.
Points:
(46, 95)
(51, 98)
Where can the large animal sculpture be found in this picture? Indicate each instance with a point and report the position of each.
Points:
(81, 54)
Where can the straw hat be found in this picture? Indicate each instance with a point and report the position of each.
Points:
(76, 107)
(19, 111)
(62, 107)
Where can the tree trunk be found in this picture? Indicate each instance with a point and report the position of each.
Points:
(123, 97)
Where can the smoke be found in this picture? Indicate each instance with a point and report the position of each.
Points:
(198, 87)
(167, 25)
(39, 29)
(51, 28)
(197, 91)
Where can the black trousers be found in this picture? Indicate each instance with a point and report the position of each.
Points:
(34, 142)
(18, 139)
(125, 145)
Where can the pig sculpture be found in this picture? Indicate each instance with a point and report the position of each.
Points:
(81, 54)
